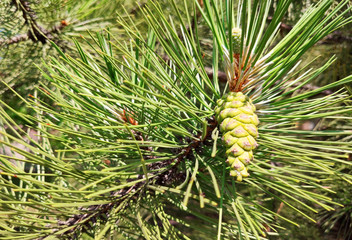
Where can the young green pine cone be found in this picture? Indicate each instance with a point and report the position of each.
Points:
(238, 125)
(236, 38)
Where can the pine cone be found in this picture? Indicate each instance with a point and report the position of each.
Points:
(238, 124)
(236, 38)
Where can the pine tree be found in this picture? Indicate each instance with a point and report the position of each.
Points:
(129, 144)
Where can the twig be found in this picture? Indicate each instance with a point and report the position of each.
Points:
(195, 143)
(280, 208)
(27, 36)
(15, 39)
(36, 32)
(170, 175)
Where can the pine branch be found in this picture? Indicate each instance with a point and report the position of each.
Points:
(166, 100)
(100, 212)
(164, 178)
(35, 32)
(28, 36)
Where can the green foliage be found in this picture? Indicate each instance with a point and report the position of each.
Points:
(127, 143)
(27, 26)
(339, 220)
